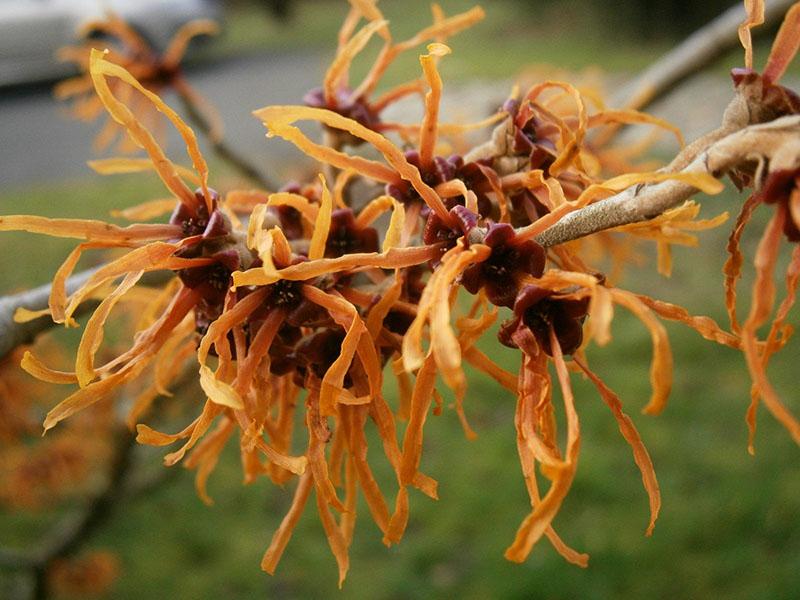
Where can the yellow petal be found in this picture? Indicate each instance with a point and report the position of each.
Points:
(113, 166)
(322, 225)
(219, 391)
(93, 334)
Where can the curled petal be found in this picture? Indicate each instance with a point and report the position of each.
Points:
(394, 232)
(146, 210)
(93, 334)
(429, 127)
(483, 363)
(153, 257)
(322, 224)
(705, 326)
(351, 419)
(281, 537)
(755, 17)
(420, 405)
(631, 435)
(661, 366)
(346, 315)
(316, 457)
(218, 391)
(378, 312)
(335, 537)
(733, 266)
(33, 366)
(444, 28)
(95, 231)
(180, 41)
(395, 258)
(293, 464)
(629, 116)
(533, 373)
(601, 312)
(763, 300)
(100, 69)
(220, 328)
(205, 456)
(335, 76)
(434, 308)
(95, 392)
(785, 46)
(538, 521)
(279, 119)
(113, 166)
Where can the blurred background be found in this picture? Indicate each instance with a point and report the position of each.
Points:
(730, 525)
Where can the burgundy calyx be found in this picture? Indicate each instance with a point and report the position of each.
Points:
(509, 261)
(538, 309)
(778, 189)
(356, 109)
(776, 100)
(475, 176)
(289, 218)
(441, 171)
(196, 221)
(525, 208)
(529, 140)
(345, 237)
(319, 350)
(438, 232)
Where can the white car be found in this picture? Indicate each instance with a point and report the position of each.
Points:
(31, 31)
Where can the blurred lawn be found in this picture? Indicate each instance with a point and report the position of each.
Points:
(730, 524)
(513, 36)
(568, 33)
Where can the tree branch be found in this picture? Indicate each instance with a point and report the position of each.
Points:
(696, 52)
(13, 334)
(775, 145)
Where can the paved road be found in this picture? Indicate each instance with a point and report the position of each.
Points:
(38, 142)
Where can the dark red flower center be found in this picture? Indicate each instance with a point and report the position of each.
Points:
(357, 109)
(539, 309)
(509, 260)
(345, 237)
(778, 189)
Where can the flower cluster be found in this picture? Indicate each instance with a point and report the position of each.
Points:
(157, 71)
(306, 294)
(37, 475)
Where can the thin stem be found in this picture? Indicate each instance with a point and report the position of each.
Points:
(220, 148)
